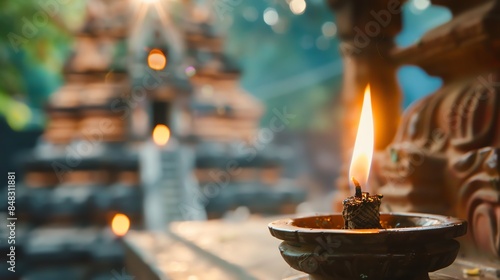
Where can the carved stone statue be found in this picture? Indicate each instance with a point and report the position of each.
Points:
(444, 159)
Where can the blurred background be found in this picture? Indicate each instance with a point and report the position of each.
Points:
(147, 112)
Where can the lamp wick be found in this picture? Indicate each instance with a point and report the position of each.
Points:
(358, 187)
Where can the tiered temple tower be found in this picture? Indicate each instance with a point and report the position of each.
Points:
(81, 173)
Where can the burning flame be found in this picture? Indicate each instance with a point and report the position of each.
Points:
(120, 224)
(157, 60)
(363, 147)
(161, 134)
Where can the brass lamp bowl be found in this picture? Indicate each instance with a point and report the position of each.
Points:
(409, 247)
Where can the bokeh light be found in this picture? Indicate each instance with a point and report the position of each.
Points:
(421, 4)
(190, 71)
(298, 6)
(18, 115)
(157, 60)
(120, 224)
(161, 134)
(271, 17)
(329, 29)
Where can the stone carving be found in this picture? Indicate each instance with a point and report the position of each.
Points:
(444, 159)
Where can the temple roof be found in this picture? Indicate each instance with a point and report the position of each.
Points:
(109, 18)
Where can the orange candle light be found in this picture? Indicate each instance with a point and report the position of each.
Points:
(362, 210)
(157, 60)
(120, 225)
(161, 135)
(362, 154)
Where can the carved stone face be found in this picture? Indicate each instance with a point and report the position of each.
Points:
(444, 158)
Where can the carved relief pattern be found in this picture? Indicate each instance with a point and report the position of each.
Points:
(445, 159)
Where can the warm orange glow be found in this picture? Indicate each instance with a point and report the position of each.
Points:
(157, 60)
(120, 224)
(161, 134)
(363, 147)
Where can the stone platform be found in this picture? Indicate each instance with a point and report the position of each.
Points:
(220, 250)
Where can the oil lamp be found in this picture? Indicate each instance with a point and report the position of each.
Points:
(362, 243)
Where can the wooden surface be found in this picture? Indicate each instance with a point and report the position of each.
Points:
(222, 250)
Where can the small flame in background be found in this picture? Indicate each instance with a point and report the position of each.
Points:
(161, 134)
(157, 60)
(363, 147)
(120, 224)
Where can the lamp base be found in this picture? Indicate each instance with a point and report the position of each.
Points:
(409, 247)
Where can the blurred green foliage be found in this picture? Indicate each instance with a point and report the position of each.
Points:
(34, 42)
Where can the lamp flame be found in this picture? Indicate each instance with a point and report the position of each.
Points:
(157, 60)
(161, 134)
(363, 147)
(120, 224)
